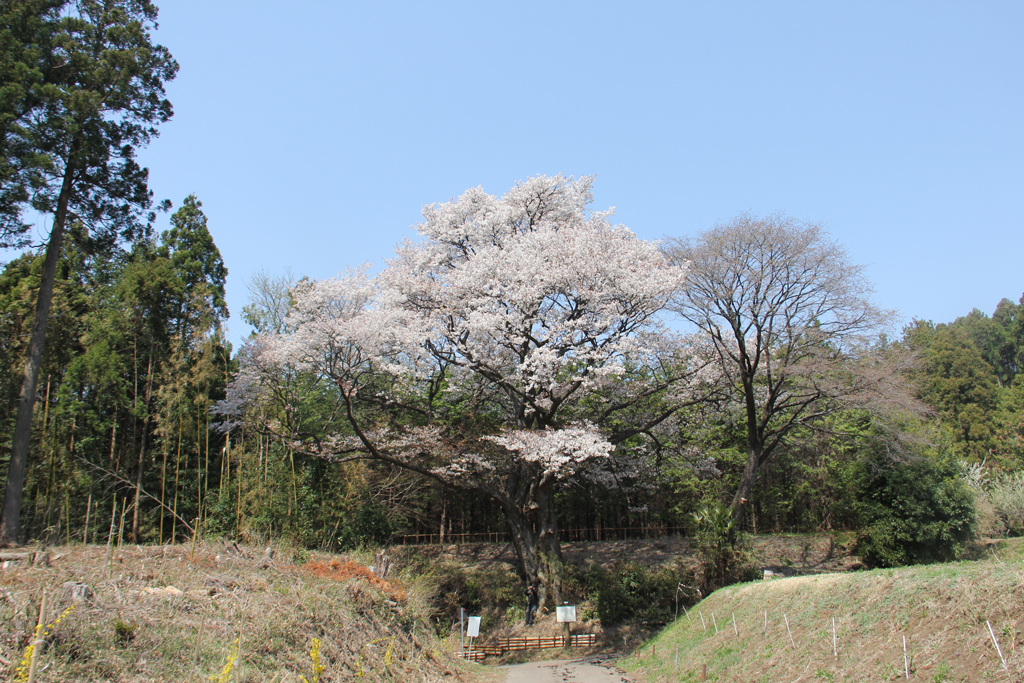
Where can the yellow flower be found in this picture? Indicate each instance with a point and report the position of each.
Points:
(318, 666)
(21, 673)
(225, 675)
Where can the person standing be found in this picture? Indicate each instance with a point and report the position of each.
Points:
(532, 600)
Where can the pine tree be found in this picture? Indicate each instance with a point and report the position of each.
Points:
(100, 102)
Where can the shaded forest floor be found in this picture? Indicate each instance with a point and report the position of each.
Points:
(786, 554)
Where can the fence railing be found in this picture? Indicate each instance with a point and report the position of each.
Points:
(564, 535)
(503, 645)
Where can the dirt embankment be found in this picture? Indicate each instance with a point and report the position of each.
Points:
(787, 555)
(166, 613)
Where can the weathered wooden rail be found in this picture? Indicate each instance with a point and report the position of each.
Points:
(504, 645)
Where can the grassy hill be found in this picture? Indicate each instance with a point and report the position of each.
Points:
(943, 611)
(222, 613)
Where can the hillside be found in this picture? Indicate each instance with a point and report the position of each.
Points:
(224, 613)
(942, 610)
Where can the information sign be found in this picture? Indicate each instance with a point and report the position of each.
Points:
(566, 614)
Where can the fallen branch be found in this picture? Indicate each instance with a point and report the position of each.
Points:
(118, 477)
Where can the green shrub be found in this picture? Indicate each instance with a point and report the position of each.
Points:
(371, 526)
(912, 512)
(633, 592)
(492, 593)
(719, 545)
(124, 632)
(1006, 493)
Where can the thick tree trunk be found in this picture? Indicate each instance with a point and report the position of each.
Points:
(10, 527)
(747, 481)
(534, 533)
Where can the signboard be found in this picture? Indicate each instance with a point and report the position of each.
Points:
(566, 614)
(473, 627)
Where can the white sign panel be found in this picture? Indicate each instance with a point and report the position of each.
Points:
(473, 627)
(566, 614)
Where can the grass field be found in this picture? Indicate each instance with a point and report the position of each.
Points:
(218, 613)
(782, 629)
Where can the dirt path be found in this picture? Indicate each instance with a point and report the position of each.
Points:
(565, 671)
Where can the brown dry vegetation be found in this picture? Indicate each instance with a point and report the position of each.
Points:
(943, 610)
(162, 614)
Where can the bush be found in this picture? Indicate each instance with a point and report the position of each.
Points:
(492, 593)
(1006, 493)
(912, 512)
(633, 592)
(370, 527)
(719, 546)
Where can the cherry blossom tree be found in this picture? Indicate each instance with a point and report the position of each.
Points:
(502, 352)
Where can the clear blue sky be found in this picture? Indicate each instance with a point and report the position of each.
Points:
(313, 132)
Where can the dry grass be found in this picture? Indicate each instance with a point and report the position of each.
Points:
(163, 614)
(942, 610)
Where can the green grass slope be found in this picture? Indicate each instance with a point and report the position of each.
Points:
(943, 611)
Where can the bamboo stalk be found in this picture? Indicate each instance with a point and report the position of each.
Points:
(85, 532)
(163, 485)
(177, 471)
(37, 640)
(238, 508)
(110, 538)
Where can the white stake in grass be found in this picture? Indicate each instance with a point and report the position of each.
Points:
(996, 642)
(790, 632)
(766, 623)
(715, 622)
(702, 622)
(835, 650)
(906, 664)
(734, 629)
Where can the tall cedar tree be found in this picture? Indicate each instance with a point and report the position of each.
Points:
(26, 28)
(102, 97)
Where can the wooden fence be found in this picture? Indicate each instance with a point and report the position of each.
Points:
(564, 535)
(504, 645)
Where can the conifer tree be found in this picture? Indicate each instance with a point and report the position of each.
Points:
(99, 102)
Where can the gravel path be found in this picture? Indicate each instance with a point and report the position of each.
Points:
(565, 671)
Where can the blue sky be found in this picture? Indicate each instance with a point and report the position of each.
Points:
(313, 132)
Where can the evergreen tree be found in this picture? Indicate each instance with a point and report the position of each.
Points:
(100, 102)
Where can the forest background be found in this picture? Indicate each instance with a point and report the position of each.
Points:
(137, 357)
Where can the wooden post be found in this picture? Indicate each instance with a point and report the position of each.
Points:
(37, 639)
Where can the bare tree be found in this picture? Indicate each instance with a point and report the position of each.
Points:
(793, 329)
